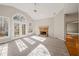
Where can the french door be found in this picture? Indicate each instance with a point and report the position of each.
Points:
(4, 27)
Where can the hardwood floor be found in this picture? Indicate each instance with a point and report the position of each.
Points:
(72, 43)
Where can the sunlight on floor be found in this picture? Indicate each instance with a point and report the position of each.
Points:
(29, 40)
(4, 50)
(42, 39)
(21, 45)
(40, 50)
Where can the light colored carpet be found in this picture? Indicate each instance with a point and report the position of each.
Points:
(40, 50)
(21, 46)
(41, 39)
(46, 47)
(4, 50)
(29, 40)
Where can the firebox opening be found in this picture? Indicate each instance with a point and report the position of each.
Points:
(43, 33)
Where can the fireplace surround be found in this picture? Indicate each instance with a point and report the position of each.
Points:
(43, 30)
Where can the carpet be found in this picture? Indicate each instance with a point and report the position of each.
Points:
(4, 50)
(21, 46)
(40, 50)
(29, 40)
(41, 39)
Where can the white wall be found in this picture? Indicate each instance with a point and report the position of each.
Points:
(72, 27)
(71, 23)
(59, 25)
(56, 25)
(71, 17)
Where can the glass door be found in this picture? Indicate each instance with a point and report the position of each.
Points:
(16, 29)
(23, 29)
(19, 26)
(4, 27)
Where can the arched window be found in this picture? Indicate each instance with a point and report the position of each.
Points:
(19, 25)
(19, 18)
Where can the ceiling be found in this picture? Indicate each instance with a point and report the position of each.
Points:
(70, 8)
(44, 10)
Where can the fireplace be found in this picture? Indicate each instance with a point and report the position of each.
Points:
(43, 33)
(43, 30)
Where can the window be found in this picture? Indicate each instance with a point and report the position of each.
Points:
(3, 26)
(19, 25)
(16, 29)
(23, 29)
(19, 17)
(30, 28)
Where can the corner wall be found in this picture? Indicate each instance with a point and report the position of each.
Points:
(59, 25)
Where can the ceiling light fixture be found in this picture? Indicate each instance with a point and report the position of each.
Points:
(35, 5)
